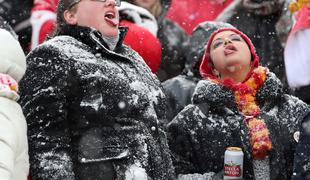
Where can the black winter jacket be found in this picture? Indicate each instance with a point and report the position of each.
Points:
(179, 91)
(199, 134)
(174, 41)
(303, 93)
(87, 106)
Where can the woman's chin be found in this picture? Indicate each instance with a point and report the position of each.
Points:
(231, 69)
(112, 33)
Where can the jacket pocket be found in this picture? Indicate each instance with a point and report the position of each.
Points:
(104, 154)
(101, 144)
(100, 165)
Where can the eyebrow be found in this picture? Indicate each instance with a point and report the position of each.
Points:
(228, 36)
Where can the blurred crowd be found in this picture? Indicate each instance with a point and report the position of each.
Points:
(164, 33)
(149, 72)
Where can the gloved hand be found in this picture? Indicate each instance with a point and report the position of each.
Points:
(8, 83)
(135, 172)
(196, 176)
(219, 175)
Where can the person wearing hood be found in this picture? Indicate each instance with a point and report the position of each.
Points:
(259, 19)
(173, 38)
(14, 160)
(180, 89)
(239, 103)
(93, 107)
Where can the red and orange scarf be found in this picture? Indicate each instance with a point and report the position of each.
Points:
(245, 96)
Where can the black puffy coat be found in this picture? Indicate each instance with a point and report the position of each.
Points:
(199, 134)
(179, 91)
(174, 41)
(258, 21)
(87, 106)
(303, 93)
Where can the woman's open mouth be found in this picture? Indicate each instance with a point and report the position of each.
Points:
(111, 19)
(229, 49)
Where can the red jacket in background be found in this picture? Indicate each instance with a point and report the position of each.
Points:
(145, 43)
(48, 5)
(43, 20)
(189, 13)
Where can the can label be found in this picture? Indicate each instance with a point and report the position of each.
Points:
(233, 163)
(232, 170)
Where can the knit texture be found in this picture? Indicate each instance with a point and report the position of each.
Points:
(245, 96)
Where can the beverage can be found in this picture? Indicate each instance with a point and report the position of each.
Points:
(233, 163)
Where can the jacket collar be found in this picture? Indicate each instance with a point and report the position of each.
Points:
(91, 36)
(218, 96)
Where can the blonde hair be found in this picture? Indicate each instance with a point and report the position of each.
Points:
(156, 9)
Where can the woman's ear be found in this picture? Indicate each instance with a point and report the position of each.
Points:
(70, 17)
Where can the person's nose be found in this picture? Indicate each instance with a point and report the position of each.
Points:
(226, 41)
(110, 3)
